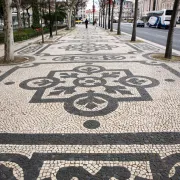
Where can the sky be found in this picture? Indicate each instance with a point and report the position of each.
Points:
(90, 4)
(96, 3)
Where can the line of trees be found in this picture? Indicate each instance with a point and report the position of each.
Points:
(103, 8)
(49, 11)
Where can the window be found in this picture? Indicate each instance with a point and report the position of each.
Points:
(169, 12)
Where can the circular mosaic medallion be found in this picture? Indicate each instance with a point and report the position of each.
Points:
(89, 82)
(91, 124)
(90, 104)
(139, 81)
(40, 82)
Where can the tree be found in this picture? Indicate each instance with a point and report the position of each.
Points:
(35, 15)
(109, 14)
(50, 19)
(8, 32)
(1, 9)
(120, 17)
(106, 17)
(112, 16)
(103, 18)
(133, 38)
(168, 53)
(70, 5)
(18, 7)
(58, 15)
(99, 17)
(26, 5)
(102, 5)
(78, 5)
(103, 13)
(41, 5)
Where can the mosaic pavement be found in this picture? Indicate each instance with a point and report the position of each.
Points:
(92, 106)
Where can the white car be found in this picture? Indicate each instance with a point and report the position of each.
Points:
(115, 20)
(140, 23)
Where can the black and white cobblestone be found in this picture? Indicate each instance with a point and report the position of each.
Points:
(90, 108)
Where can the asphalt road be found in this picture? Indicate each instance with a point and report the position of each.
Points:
(158, 36)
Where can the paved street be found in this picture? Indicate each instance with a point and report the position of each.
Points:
(91, 106)
(158, 36)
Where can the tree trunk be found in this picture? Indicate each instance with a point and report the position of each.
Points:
(29, 24)
(74, 17)
(24, 21)
(42, 30)
(133, 38)
(56, 17)
(99, 16)
(50, 20)
(73, 21)
(106, 17)
(109, 14)
(120, 17)
(18, 7)
(69, 13)
(8, 32)
(112, 16)
(168, 53)
(103, 18)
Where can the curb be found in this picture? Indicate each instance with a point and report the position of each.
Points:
(155, 44)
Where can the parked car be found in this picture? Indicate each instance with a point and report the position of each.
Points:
(79, 21)
(140, 23)
(115, 20)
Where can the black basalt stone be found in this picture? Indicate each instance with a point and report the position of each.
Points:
(91, 124)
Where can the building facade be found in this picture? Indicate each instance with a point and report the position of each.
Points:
(128, 6)
(81, 14)
(154, 5)
(89, 15)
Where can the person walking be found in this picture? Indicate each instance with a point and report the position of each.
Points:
(86, 23)
(95, 23)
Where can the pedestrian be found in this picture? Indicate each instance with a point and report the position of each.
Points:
(95, 23)
(86, 23)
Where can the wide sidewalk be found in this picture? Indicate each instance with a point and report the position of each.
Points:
(92, 105)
